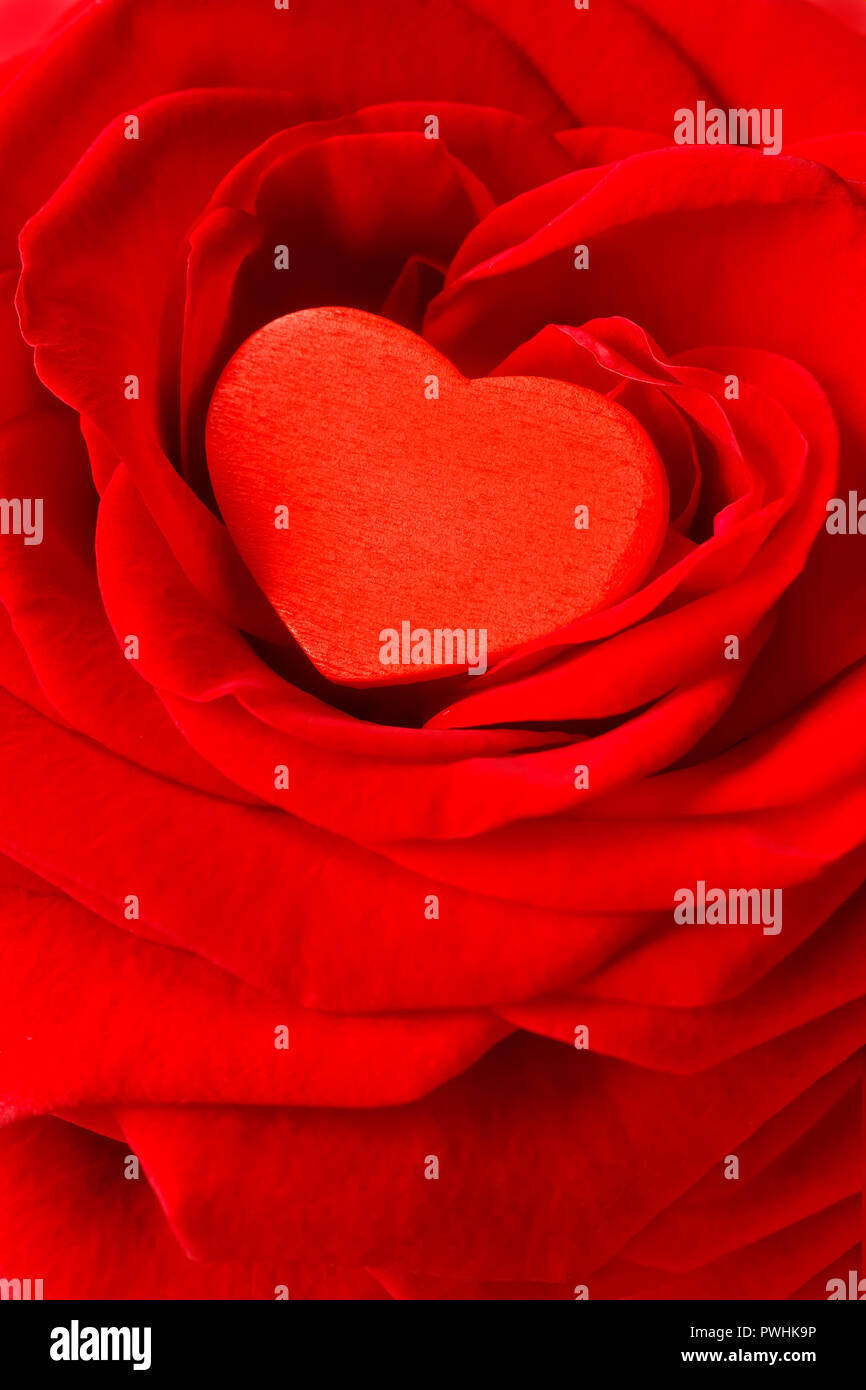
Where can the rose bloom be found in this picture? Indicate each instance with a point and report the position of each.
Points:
(339, 989)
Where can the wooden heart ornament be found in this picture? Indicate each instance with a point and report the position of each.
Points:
(406, 522)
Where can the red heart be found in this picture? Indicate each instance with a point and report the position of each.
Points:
(454, 514)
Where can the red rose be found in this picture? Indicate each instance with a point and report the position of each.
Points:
(346, 984)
